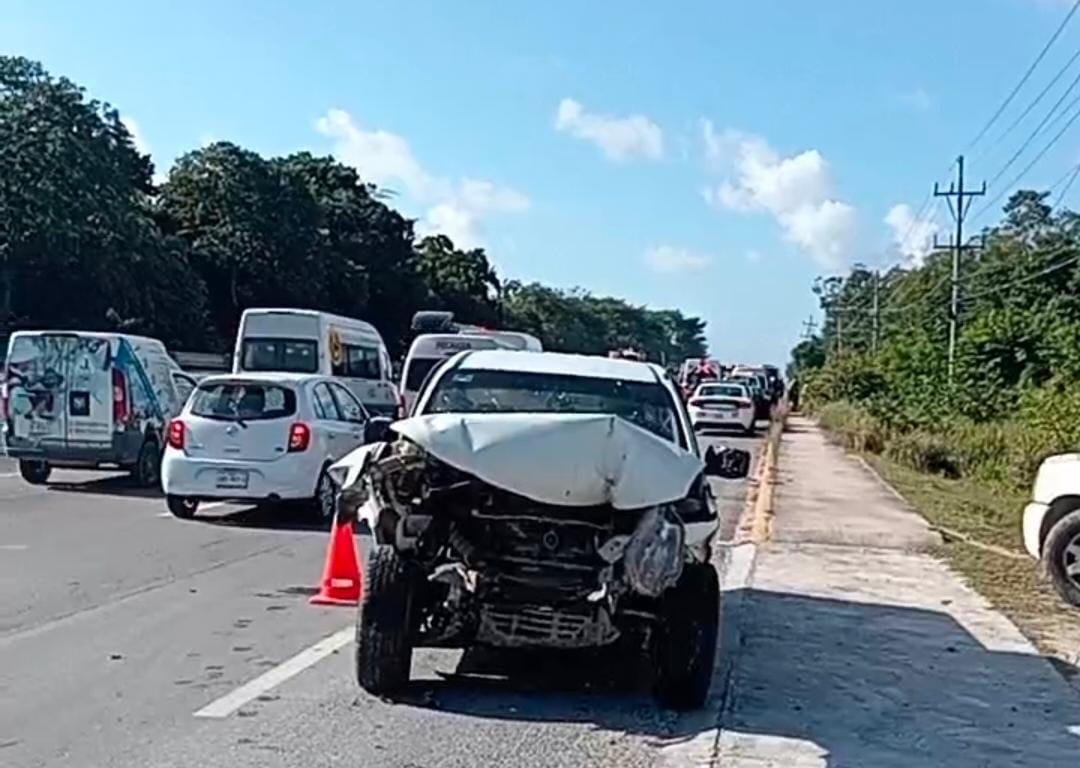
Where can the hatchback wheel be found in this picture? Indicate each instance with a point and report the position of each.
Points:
(182, 507)
(325, 497)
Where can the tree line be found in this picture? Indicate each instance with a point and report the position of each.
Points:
(89, 241)
(1013, 397)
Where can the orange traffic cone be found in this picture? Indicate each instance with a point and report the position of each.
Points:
(341, 583)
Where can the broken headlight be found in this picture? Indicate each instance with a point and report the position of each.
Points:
(653, 559)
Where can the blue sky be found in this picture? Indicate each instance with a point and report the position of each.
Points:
(709, 156)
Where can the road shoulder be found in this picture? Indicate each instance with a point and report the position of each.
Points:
(857, 646)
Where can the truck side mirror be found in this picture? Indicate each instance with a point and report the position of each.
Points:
(377, 429)
(728, 463)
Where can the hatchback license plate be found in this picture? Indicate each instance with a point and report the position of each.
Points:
(232, 478)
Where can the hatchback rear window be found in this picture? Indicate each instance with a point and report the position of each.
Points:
(243, 401)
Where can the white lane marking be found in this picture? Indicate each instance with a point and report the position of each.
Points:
(9, 474)
(14, 547)
(272, 678)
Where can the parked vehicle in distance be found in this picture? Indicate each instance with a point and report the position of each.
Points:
(88, 400)
(755, 382)
(440, 321)
(263, 437)
(307, 341)
(540, 500)
(722, 405)
(427, 351)
(1051, 523)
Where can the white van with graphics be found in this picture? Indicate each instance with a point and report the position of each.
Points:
(308, 341)
(88, 400)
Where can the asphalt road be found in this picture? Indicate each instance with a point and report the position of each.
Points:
(118, 623)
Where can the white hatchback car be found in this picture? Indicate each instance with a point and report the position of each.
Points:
(722, 405)
(262, 437)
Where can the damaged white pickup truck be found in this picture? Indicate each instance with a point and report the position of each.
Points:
(540, 500)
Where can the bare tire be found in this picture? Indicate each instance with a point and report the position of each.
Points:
(383, 648)
(182, 507)
(147, 470)
(686, 644)
(1061, 557)
(34, 472)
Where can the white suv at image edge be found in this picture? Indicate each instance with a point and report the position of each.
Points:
(1052, 523)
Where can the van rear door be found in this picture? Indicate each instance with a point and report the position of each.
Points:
(59, 389)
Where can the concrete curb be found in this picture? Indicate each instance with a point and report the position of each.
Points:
(755, 524)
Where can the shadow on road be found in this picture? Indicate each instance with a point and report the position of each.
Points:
(282, 516)
(881, 685)
(112, 485)
(858, 684)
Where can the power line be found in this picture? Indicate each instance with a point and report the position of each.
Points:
(1072, 178)
(1028, 278)
(1034, 103)
(1035, 133)
(1030, 165)
(1027, 75)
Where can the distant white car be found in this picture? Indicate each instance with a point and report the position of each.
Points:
(722, 405)
(1052, 523)
(259, 437)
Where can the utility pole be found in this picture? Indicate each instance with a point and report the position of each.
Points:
(839, 331)
(808, 327)
(959, 212)
(877, 312)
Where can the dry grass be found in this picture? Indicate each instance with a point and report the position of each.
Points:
(991, 514)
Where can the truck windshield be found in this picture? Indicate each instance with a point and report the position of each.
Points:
(289, 355)
(648, 405)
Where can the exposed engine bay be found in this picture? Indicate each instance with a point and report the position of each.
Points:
(495, 566)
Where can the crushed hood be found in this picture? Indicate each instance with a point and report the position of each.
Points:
(559, 458)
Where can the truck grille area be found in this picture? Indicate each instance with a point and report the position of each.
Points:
(544, 626)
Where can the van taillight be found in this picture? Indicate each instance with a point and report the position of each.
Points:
(176, 434)
(401, 407)
(299, 437)
(120, 398)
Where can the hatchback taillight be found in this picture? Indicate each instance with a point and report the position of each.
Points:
(3, 401)
(120, 397)
(299, 437)
(697, 403)
(177, 433)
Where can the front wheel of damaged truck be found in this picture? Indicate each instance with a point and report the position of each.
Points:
(383, 646)
(686, 644)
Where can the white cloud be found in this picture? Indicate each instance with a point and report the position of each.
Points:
(913, 239)
(917, 98)
(454, 208)
(795, 190)
(668, 259)
(620, 138)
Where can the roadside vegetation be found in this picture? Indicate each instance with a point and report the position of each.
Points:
(963, 452)
(91, 237)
